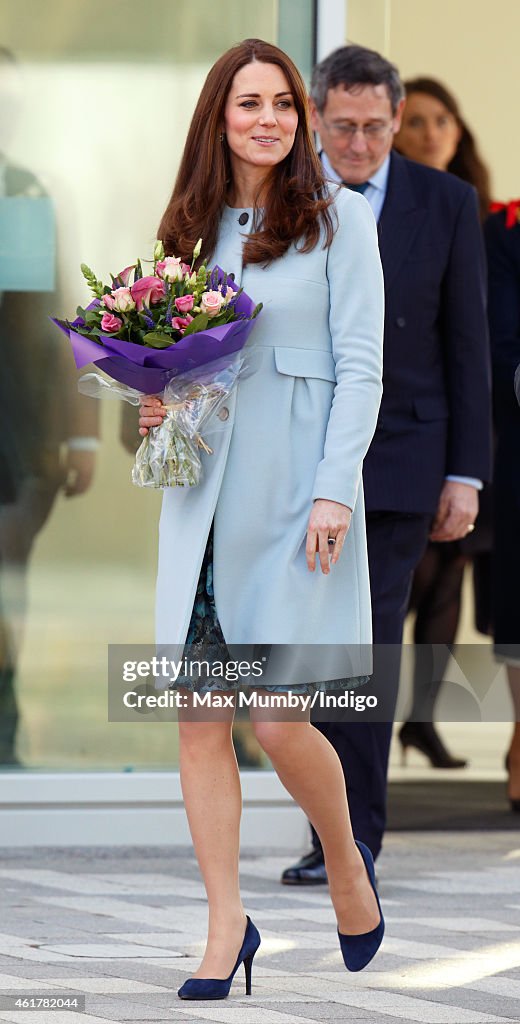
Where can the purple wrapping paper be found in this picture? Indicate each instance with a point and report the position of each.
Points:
(149, 369)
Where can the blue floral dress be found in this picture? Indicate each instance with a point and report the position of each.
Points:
(205, 642)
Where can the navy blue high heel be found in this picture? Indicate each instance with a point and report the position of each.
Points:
(218, 988)
(358, 950)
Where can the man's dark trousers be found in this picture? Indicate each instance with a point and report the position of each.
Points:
(364, 748)
(434, 422)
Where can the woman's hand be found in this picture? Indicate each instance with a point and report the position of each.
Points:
(329, 520)
(151, 413)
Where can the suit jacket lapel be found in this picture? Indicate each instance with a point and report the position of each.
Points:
(400, 220)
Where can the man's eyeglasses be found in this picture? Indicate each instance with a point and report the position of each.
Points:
(348, 131)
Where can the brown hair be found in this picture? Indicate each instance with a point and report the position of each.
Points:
(467, 162)
(296, 206)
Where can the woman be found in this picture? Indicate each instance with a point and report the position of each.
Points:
(433, 132)
(281, 485)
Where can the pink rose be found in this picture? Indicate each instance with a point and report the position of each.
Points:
(110, 324)
(123, 300)
(211, 303)
(108, 301)
(146, 291)
(230, 292)
(179, 323)
(184, 304)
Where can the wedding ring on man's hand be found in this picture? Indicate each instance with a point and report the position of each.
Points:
(331, 540)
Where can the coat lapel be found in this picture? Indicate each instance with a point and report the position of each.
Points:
(401, 218)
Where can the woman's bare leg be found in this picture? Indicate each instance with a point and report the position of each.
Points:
(310, 769)
(212, 796)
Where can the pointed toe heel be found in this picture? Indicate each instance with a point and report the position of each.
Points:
(359, 950)
(218, 988)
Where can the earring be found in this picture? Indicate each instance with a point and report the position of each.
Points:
(222, 136)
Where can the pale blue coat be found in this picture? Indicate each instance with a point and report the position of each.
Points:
(298, 429)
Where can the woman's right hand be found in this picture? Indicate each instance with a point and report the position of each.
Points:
(151, 413)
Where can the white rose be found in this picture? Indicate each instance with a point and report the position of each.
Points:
(172, 270)
(123, 300)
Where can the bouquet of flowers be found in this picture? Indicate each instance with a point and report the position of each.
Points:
(177, 332)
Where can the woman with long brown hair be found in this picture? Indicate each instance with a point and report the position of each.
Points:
(433, 132)
(270, 548)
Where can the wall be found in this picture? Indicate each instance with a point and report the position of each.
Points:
(473, 47)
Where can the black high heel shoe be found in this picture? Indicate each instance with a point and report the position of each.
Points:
(218, 988)
(359, 950)
(424, 737)
(514, 803)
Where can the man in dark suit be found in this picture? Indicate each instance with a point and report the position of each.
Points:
(431, 449)
(502, 236)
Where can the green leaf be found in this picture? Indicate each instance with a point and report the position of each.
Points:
(221, 319)
(199, 323)
(87, 334)
(154, 339)
(100, 332)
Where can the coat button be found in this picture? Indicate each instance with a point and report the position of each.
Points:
(400, 322)
(223, 414)
(243, 219)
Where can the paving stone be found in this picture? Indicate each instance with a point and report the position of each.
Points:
(451, 955)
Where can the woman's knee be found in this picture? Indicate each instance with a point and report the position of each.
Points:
(276, 737)
(204, 737)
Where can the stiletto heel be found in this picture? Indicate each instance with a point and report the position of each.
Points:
(218, 988)
(248, 965)
(359, 950)
(404, 753)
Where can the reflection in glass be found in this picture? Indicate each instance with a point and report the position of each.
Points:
(92, 124)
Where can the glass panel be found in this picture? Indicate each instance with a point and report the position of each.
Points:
(297, 33)
(95, 103)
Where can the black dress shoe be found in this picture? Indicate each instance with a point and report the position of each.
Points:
(310, 870)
